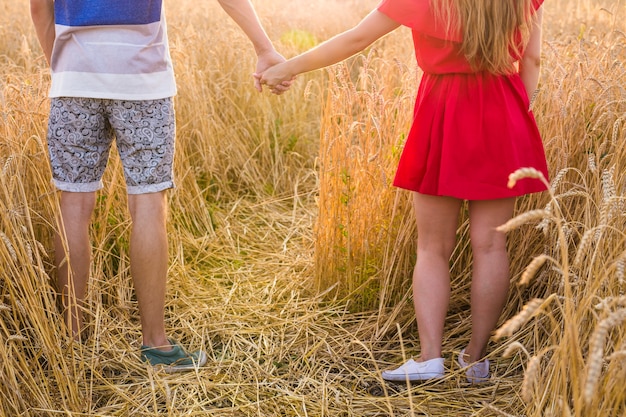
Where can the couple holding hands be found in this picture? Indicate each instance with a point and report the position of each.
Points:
(112, 77)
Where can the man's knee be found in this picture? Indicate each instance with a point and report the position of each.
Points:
(150, 205)
(78, 206)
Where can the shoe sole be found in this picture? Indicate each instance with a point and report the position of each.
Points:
(412, 377)
(478, 380)
(173, 369)
(468, 367)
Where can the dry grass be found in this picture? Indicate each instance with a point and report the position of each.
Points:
(290, 252)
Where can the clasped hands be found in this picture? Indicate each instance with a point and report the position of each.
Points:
(272, 71)
(275, 78)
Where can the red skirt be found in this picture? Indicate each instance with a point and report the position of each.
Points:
(469, 133)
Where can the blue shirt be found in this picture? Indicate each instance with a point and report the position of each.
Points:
(111, 49)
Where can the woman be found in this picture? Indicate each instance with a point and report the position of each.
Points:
(472, 128)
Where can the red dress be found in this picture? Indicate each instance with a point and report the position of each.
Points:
(470, 129)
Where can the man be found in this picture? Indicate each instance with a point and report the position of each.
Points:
(112, 77)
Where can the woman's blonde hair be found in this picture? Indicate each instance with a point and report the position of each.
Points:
(493, 30)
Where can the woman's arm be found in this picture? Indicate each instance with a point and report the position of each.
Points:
(336, 49)
(42, 14)
(530, 64)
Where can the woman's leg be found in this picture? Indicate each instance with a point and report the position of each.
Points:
(437, 223)
(490, 280)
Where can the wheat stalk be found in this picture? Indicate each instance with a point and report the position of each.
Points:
(596, 352)
(523, 219)
(532, 268)
(530, 378)
(515, 323)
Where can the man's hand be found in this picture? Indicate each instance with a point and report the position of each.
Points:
(266, 61)
(278, 78)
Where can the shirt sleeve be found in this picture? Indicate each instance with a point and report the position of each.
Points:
(417, 15)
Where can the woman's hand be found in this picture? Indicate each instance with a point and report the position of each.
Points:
(278, 78)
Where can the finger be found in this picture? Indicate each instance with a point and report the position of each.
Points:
(281, 87)
(278, 90)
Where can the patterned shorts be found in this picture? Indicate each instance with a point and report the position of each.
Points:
(81, 131)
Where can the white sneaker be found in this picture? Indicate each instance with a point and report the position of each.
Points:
(416, 371)
(476, 372)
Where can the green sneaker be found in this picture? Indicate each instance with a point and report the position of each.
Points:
(175, 360)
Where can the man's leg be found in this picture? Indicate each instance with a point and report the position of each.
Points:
(437, 222)
(145, 133)
(490, 278)
(73, 255)
(148, 263)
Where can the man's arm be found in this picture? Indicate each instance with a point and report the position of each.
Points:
(243, 13)
(42, 13)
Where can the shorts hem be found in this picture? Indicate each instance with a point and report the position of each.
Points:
(70, 187)
(149, 189)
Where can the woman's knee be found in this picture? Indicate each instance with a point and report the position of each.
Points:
(439, 246)
(487, 240)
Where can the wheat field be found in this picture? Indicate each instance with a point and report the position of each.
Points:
(291, 253)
